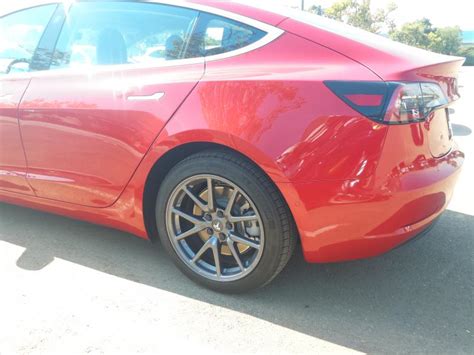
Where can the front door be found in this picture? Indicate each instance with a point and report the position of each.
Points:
(20, 33)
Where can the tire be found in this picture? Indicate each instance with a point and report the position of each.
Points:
(252, 234)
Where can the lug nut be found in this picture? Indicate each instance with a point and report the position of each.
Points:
(208, 217)
(222, 237)
(210, 231)
(220, 214)
(229, 225)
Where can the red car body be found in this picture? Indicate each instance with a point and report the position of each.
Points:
(73, 145)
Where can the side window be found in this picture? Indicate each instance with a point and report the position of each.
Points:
(217, 35)
(111, 33)
(20, 33)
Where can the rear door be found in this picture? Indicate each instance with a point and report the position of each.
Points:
(20, 33)
(116, 78)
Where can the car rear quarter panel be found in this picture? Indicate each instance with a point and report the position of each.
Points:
(274, 103)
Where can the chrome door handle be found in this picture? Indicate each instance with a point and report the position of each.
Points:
(154, 97)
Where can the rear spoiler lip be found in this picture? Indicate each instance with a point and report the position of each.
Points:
(444, 73)
(406, 68)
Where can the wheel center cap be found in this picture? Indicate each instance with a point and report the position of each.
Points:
(217, 225)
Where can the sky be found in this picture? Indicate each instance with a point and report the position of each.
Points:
(440, 12)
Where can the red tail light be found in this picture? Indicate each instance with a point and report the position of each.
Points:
(390, 102)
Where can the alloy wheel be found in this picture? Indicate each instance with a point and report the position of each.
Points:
(215, 228)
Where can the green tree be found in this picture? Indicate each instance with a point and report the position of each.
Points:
(358, 13)
(447, 40)
(415, 33)
(422, 34)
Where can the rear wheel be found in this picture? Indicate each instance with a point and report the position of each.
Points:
(223, 222)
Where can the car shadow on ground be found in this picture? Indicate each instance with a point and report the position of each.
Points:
(416, 298)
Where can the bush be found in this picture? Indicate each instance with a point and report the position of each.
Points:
(467, 52)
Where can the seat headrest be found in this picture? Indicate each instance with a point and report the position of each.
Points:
(111, 48)
(173, 47)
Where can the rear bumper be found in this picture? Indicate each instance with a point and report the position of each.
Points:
(426, 230)
(362, 218)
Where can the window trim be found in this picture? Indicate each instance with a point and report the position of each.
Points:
(272, 33)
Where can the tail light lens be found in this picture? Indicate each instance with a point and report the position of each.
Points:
(390, 102)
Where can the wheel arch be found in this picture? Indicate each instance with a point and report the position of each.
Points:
(171, 158)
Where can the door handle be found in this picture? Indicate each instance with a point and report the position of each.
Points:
(154, 97)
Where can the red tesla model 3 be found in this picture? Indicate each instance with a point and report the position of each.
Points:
(224, 130)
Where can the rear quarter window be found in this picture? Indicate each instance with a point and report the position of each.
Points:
(218, 35)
